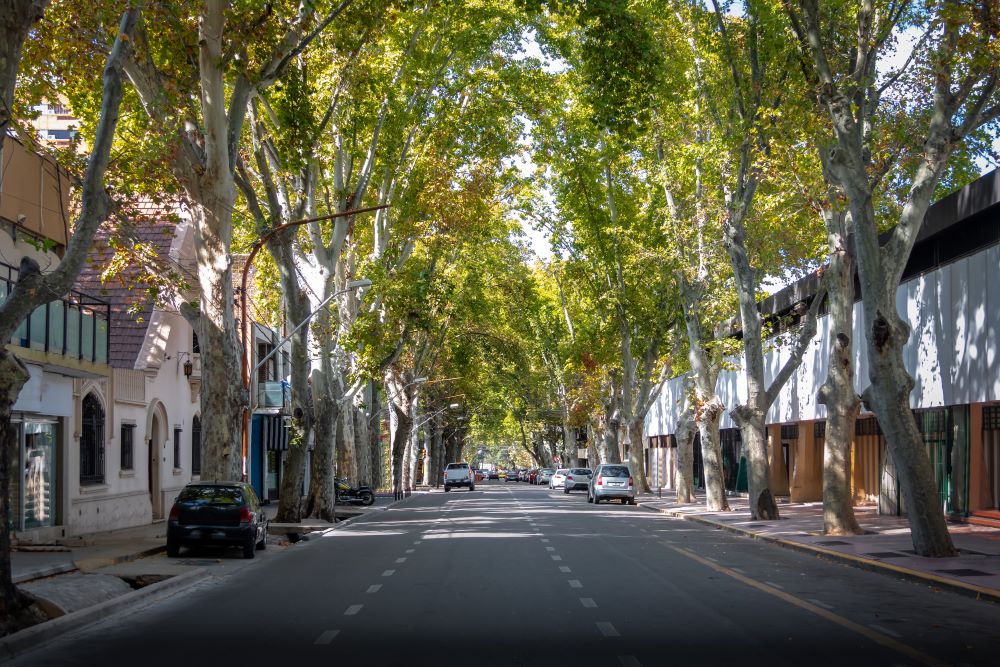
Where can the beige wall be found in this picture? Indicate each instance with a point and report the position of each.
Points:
(807, 466)
(34, 193)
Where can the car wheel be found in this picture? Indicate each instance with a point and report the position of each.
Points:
(250, 548)
(472, 487)
(590, 498)
(263, 539)
(173, 549)
(447, 489)
(565, 490)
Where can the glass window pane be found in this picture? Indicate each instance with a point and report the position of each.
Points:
(57, 320)
(37, 318)
(72, 331)
(87, 335)
(101, 351)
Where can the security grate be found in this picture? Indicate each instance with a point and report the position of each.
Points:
(991, 418)
(819, 430)
(790, 432)
(868, 426)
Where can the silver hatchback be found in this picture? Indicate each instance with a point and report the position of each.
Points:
(576, 478)
(611, 480)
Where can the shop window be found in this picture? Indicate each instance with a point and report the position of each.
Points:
(128, 446)
(92, 442)
(39, 500)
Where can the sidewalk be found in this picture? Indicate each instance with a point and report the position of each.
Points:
(886, 546)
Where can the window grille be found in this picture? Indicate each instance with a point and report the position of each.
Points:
(789, 431)
(819, 429)
(92, 442)
(991, 418)
(196, 446)
(177, 448)
(128, 440)
(867, 426)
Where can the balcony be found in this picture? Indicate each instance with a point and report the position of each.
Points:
(274, 395)
(75, 327)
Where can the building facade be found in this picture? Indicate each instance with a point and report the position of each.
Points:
(950, 295)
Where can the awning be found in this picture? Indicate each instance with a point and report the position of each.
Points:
(273, 433)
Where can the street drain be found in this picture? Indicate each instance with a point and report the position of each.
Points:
(833, 543)
(965, 572)
(886, 554)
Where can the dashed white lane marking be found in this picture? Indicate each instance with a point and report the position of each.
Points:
(564, 569)
(575, 583)
(607, 629)
(326, 637)
(820, 603)
(388, 573)
(545, 540)
(629, 661)
(711, 559)
(374, 588)
(410, 551)
(774, 585)
(588, 603)
(550, 548)
(353, 610)
(417, 542)
(736, 569)
(885, 631)
(401, 560)
(557, 558)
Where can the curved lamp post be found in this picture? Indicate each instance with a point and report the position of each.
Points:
(244, 326)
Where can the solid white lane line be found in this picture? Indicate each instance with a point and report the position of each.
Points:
(550, 548)
(557, 558)
(564, 569)
(326, 637)
(388, 573)
(401, 560)
(353, 610)
(629, 661)
(736, 569)
(575, 583)
(774, 585)
(588, 603)
(818, 603)
(885, 631)
(607, 629)
(374, 588)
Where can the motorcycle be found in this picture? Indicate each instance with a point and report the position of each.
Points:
(348, 495)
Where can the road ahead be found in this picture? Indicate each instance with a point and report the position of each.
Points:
(517, 575)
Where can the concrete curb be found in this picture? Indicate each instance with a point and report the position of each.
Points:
(918, 576)
(33, 637)
(44, 572)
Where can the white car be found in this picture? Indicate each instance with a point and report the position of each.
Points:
(558, 479)
(459, 474)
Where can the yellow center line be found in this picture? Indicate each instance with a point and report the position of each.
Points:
(873, 635)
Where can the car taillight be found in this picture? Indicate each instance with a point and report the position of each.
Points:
(175, 513)
(244, 514)
(630, 480)
(600, 481)
(569, 476)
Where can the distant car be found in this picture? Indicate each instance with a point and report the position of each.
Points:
(480, 476)
(494, 474)
(513, 475)
(459, 474)
(577, 478)
(611, 480)
(217, 514)
(544, 475)
(558, 478)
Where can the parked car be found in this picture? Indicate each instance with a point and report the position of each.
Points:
(458, 474)
(557, 479)
(611, 480)
(577, 478)
(217, 514)
(494, 474)
(480, 476)
(544, 475)
(513, 475)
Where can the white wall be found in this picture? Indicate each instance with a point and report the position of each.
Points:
(952, 352)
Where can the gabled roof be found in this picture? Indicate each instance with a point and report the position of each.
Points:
(131, 302)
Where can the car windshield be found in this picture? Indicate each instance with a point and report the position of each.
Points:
(547, 471)
(581, 471)
(561, 471)
(211, 495)
(615, 471)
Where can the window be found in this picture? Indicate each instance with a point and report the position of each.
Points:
(92, 442)
(177, 448)
(268, 370)
(195, 346)
(196, 446)
(128, 438)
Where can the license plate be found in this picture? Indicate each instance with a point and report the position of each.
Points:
(617, 483)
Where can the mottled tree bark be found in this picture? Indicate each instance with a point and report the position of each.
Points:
(684, 479)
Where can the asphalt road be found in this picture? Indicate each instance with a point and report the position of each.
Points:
(517, 575)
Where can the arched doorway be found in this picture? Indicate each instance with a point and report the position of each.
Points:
(155, 441)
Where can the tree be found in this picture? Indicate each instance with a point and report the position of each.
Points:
(954, 92)
(33, 288)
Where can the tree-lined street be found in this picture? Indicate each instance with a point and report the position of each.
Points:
(511, 575)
